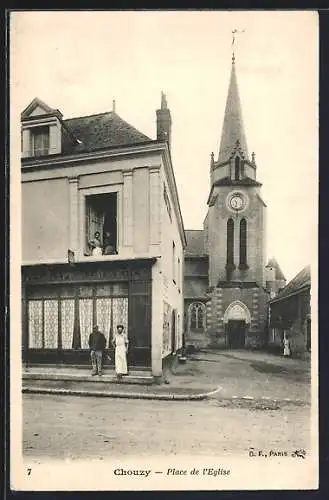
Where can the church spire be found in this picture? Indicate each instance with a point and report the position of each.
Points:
(233, 135)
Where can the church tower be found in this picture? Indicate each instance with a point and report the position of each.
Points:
(235, 229)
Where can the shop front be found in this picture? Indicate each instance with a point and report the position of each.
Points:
(62, 302)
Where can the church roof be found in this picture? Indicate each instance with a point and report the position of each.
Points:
(301, 281)
(278, 273)
(195, 243)
(233, 129)
(99, 131)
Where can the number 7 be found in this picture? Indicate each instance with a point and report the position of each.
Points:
(29, 471)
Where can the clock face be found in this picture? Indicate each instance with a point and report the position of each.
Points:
(236, 202)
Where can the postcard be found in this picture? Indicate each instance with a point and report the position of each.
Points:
(163, 236)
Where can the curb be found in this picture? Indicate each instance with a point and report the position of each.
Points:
(121, 395)
(265, 399)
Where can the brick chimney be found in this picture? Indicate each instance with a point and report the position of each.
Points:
(164, 121)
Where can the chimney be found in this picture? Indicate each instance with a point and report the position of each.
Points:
(164, 121)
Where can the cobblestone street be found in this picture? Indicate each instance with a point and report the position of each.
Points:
(77, 427)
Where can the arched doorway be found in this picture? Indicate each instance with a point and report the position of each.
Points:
(236, 320)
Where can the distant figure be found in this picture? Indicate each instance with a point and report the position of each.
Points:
(120, 343)
(97, 343)
(286, 346)
(96, 245)
(109, 248)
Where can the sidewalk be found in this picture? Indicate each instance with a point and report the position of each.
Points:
(209, 374)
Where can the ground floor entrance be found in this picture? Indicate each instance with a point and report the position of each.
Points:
(61, 303)
(236, 332)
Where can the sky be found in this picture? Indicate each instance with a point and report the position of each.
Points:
(78, 62)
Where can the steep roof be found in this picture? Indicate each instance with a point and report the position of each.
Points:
(300, 281)
(99, 131)
(195, 242)
(278, 273)
(233, 129)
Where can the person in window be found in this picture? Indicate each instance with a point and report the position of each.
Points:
(109, 248)
(96, 245)
(120, 342)
(97, 343)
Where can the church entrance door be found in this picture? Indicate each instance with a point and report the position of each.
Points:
(236, 334)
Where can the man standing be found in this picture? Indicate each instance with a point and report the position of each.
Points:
(97, 343)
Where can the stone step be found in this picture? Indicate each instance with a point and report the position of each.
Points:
(67, 366)
(132, 378)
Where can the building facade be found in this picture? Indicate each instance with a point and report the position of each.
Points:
(227, 282)
(89, 175)
(290, 315)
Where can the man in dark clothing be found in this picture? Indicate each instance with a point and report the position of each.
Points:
(97, 343)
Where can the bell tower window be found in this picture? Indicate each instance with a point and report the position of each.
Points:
(237, 168)
(230, 242)
(243, 244)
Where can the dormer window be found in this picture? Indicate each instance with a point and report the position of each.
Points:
(39, 141)
(41, 130)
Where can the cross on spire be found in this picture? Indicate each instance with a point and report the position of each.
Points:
(234, 32)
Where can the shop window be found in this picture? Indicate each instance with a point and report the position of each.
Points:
(39, 141)
(52, 322)
(67, 322)
(35, 321)
(101, 224)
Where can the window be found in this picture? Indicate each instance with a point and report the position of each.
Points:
(40, 141)
(101, 224)
(167, 201)
(237, 168)
(61, 322)
(197, 316)
(178, 272)
(174, 262)
(243, 243)
(230, 242)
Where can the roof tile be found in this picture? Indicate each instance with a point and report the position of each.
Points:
(99, 131)
(301, 280)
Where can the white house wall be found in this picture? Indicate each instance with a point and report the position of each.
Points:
(172, 289)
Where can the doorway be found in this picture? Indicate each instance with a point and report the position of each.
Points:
(236, 334)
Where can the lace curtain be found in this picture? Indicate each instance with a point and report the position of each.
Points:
(86, 320)
(67, 320)
(35, 324)
(51, 323)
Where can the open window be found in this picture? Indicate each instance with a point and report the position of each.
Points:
(101, 224)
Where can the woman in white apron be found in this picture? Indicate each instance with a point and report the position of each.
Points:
(96, 245)
(120, 342)
(286, 346)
